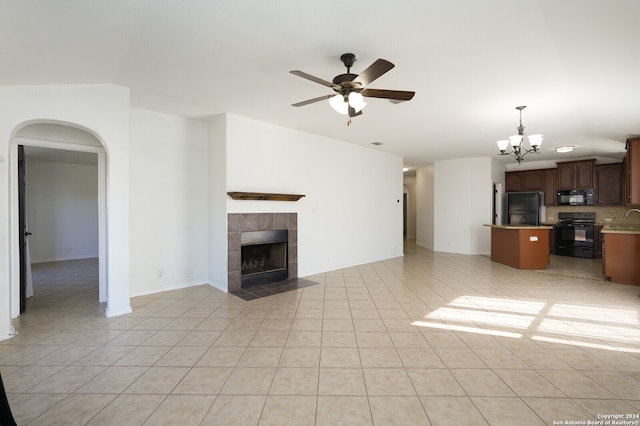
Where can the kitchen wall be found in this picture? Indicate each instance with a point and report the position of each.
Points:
(462, 202)
(454, 200)
(615, 213)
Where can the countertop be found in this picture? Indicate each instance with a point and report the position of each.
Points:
(621, 229)
(519, 226)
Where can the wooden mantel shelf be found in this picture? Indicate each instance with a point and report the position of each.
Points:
(264, 196)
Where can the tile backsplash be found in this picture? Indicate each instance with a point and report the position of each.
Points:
(615, 213)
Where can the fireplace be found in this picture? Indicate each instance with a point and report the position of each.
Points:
(271, 239)
(263, 257)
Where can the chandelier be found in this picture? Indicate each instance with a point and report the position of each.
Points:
(518, 150)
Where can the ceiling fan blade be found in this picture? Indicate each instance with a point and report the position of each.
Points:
(399, 95)
(313, 78)
(374, 71)
(310, 101)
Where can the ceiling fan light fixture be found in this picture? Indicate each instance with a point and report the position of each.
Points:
(338, 103)
(356, 101)
(351, 89)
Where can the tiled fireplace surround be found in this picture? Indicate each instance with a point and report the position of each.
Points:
(246, 222)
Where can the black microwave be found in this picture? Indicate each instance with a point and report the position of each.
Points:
(576, 197)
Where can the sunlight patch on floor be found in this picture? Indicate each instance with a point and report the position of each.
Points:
(475, 330)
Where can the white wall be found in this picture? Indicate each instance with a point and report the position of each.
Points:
(102, 110)
(217, 180)
(62, 207)
(425, 187)
(462, 204)
(167, 178)
(352, 209)
(454, 201)
(168, 191)
(410, 189)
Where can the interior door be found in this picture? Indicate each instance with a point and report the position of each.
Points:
(404, 215)
(22, 228)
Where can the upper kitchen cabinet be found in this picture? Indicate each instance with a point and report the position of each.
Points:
(514, 181)
(526, 180)
(608, 179)
(550, 178)
(575, 175)
(632, 172)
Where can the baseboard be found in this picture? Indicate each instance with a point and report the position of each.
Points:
(109, 313)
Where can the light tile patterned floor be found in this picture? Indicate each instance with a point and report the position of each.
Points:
(431, 338)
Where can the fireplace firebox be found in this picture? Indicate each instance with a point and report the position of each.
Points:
(240, 224)
(263, 257)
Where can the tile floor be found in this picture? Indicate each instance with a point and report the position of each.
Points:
(431, 338)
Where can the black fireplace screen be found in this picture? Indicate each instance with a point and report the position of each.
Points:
(261, 258)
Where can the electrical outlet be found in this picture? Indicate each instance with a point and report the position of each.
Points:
(550, 218)
(608, 219)
(189, 271)
(160, 273)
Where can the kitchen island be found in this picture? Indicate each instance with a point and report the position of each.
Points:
(621, 253)
(521, 247)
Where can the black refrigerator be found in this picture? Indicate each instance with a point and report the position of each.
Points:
(523, 208)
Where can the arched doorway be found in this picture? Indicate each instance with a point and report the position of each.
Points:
(45, 138)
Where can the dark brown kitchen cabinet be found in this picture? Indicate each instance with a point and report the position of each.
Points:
(608, 180)
(550, 187)
(632, 172)
(620, 253)
(514, 181)
(534, 180)
(526, 180)
(564, 175)
(575, 175)
(597, 241)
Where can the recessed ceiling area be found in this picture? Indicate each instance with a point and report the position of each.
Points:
(34, 136)
(34, 153)
(574, 63)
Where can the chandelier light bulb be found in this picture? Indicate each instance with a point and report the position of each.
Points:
(503, 144)
(535, 141)
(515, 140)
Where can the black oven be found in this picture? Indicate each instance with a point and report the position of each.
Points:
(574, 234)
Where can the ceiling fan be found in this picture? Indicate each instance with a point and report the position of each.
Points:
(351, 88)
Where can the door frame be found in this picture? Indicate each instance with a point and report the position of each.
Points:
(14, 274)
(22, 226)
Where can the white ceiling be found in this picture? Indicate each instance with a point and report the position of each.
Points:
(574, 63)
